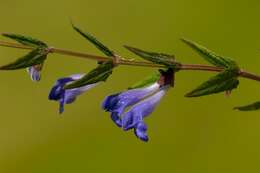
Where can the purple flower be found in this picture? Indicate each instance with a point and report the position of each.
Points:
(128, 109)
(58, 93)
(35, 72)
(142, 103)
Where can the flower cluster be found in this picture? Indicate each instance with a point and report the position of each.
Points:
(128, 109)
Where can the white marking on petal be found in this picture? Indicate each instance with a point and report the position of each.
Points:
(77, 76)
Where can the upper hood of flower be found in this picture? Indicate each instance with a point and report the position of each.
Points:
(118, 102)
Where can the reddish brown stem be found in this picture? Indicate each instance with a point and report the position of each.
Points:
(249, 75)
(200, 67)
(124, 61)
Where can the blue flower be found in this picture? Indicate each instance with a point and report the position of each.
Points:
(142, 103)
(35, 72)
(128, 109)
(58, 93)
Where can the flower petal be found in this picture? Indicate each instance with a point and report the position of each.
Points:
(116, 119)
(61, 108)
(110, 102)
(130, 120)
(141, 110)
(118, 102)
(71, 94)
(57, 89)
(34, 73)
(141, 131)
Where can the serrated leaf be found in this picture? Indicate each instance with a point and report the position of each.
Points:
(35, 57)
(224, 81)
(158, 58)
(94, 41)
(25, 40)
(147, 81)
(250, 107)
(101, 73)
(211, 56)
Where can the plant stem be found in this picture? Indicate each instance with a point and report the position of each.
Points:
(123, 61)
(200, 67)
(78, 54)
(249, 75)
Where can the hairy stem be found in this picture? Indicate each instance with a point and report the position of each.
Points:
(123, 61)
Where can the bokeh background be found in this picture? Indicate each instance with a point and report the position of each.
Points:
(201, 135)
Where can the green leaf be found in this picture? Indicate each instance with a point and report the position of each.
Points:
(147, 81)
(101, 73)
(224, 81)
(210, 56)
(158, 58)
(28, 41)
(94, 41)
(250, 107)
(35, 57)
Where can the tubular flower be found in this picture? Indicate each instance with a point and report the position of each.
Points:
(67, 96)
(128, 109)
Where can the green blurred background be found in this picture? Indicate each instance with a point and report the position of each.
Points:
(186, 135)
